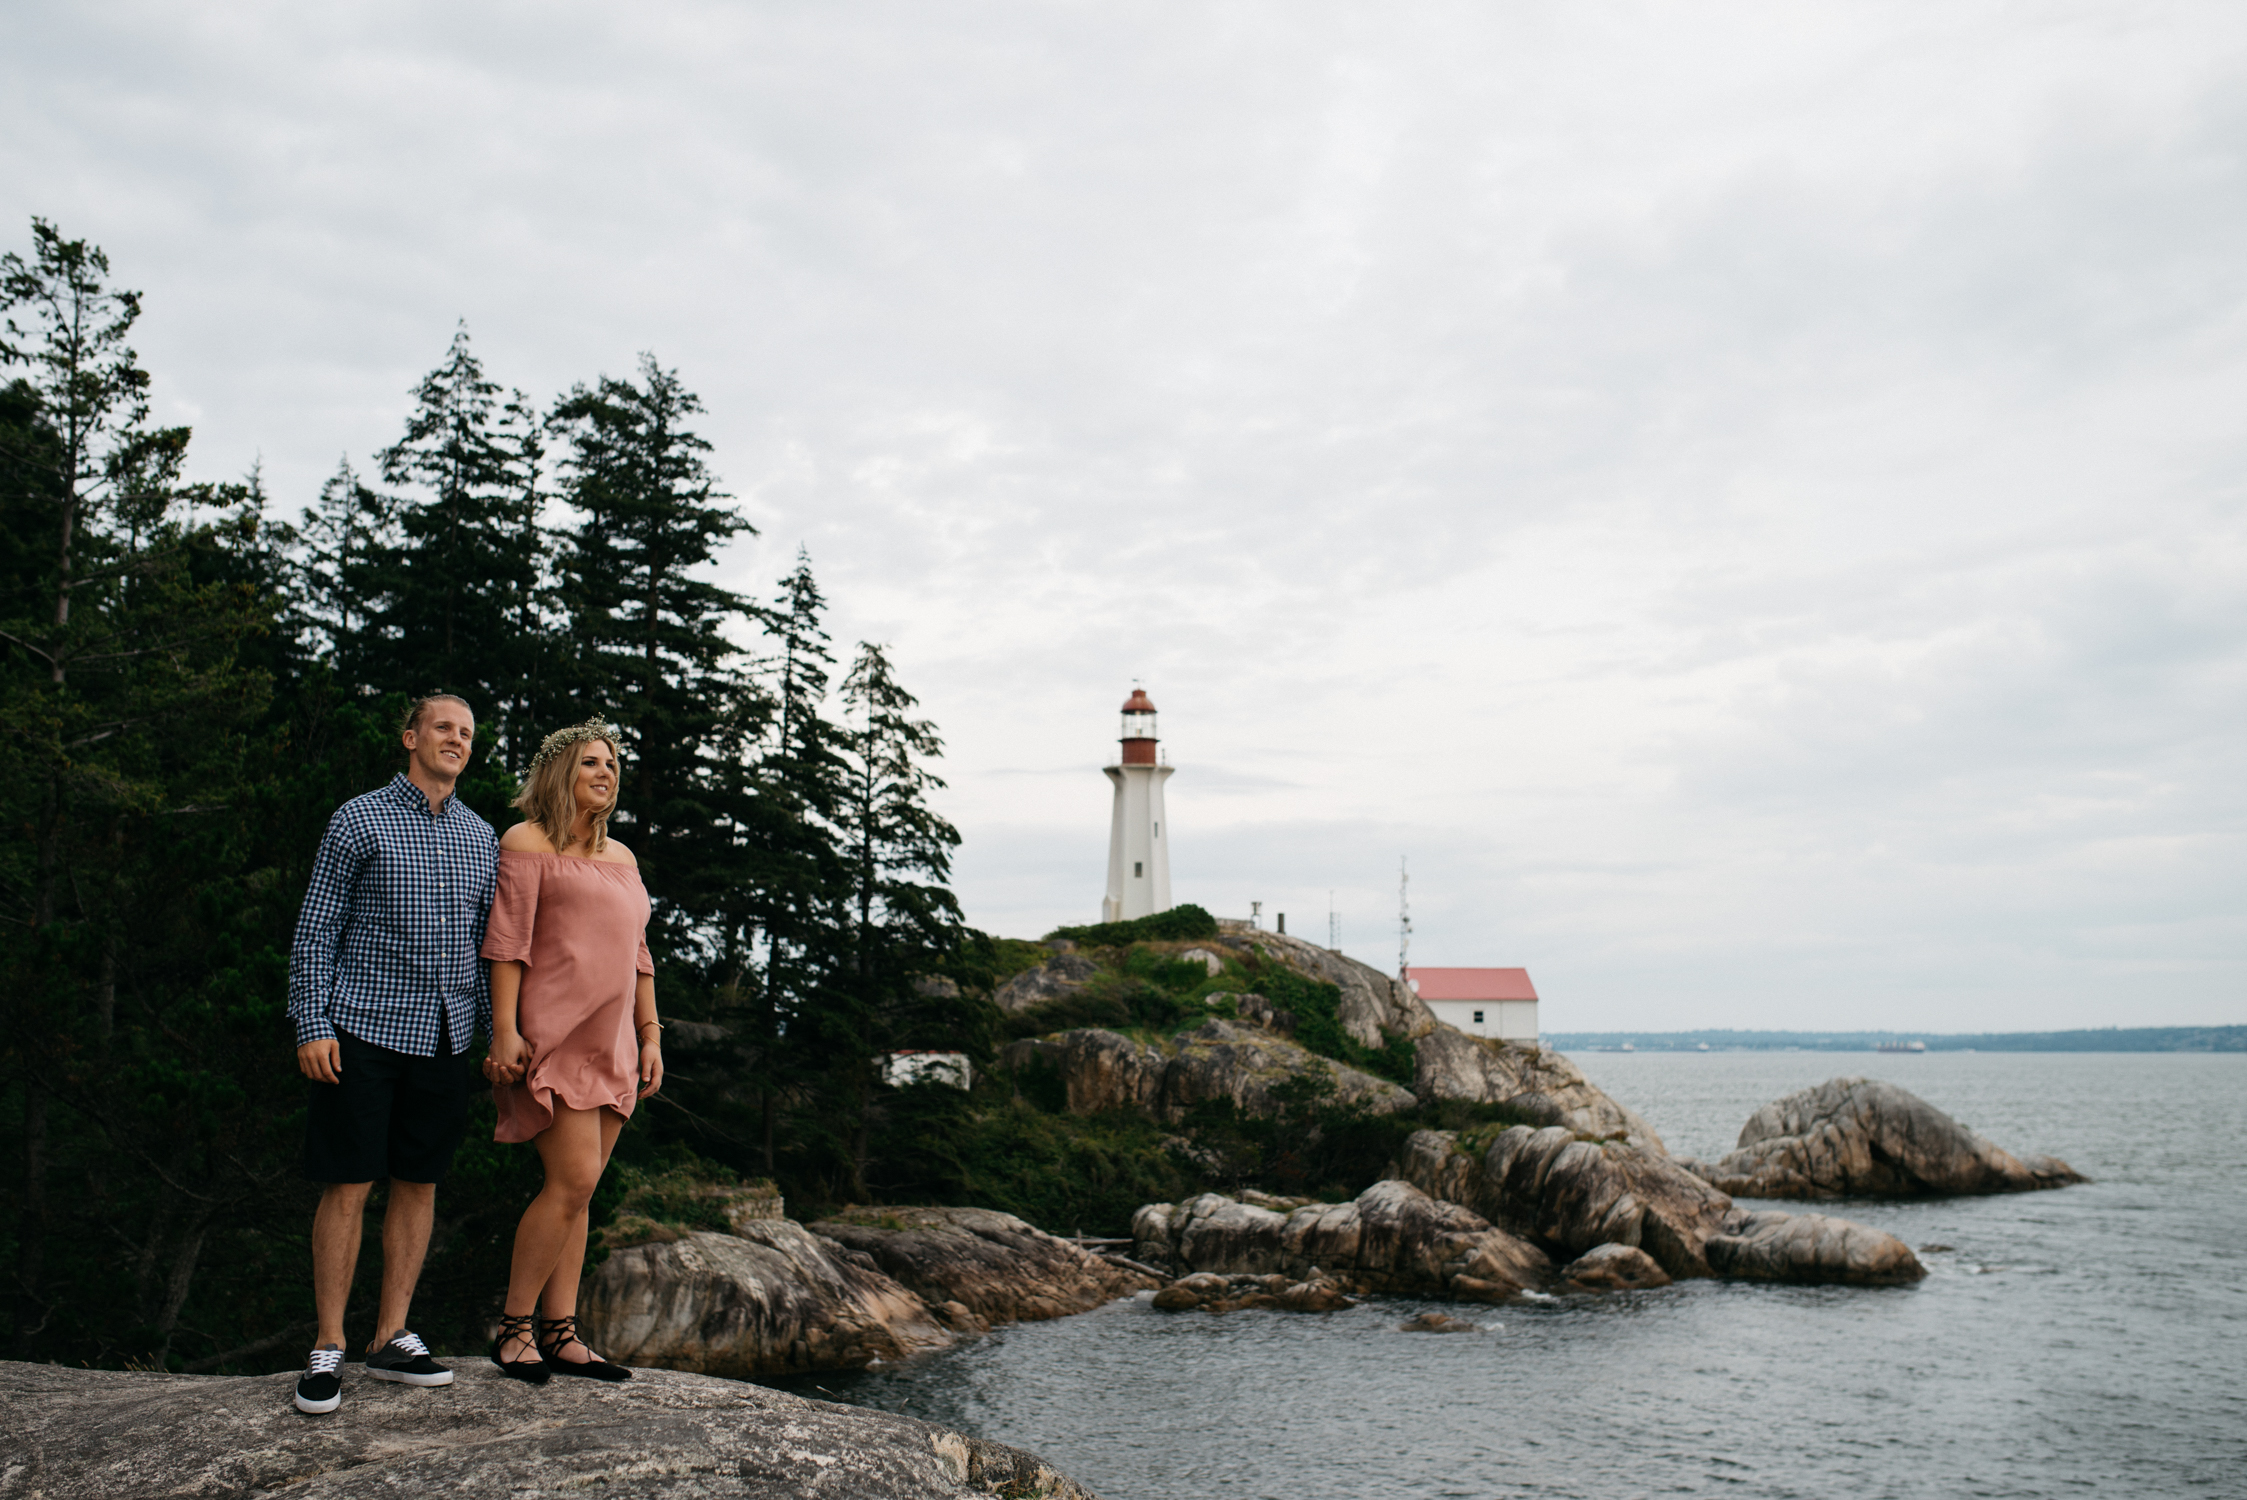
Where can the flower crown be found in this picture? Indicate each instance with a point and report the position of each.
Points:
(559, 742)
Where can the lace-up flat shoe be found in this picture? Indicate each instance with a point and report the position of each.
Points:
(320, 1388)
(554, 1333)
(406, 1360)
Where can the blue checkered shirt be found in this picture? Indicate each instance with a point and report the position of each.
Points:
(386, 946)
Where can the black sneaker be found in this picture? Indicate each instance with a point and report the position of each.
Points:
(406, 1360)
(320, 1388)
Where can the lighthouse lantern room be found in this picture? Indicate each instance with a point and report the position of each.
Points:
(1138, 849)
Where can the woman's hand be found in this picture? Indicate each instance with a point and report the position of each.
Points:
(651, 1066)
(509, 1056)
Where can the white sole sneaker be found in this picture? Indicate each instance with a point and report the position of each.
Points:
(407, 1377)
(318, 1408)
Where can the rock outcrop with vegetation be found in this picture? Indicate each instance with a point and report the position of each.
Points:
(70, 1434)
(1391, 1238)
(1538, 1085)
(1219, 1059)
(1573, 1196)
(1372, 1007)
(977, 1267)
(1859, 1138)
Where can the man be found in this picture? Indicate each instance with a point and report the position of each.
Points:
(387, 993)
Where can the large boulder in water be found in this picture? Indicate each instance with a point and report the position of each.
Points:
(1572, 1194)
(1814, 1248)
(1391, 1238)
(117, 1435)
(1537, 1084)
(1859, 1138)
(980, 1263)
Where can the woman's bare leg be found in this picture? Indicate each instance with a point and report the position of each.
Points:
(559, 1298)
(573, 1151)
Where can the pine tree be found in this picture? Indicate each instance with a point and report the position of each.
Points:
(456, 602)
(345, 531)
(905, 921)
(648, 637)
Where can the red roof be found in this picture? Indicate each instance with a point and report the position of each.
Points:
(1138, 702)
(1471, 984)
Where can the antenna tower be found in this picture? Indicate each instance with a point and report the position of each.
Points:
(1404, 918)
(1333, 925)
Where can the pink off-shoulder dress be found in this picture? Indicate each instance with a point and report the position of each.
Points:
(579, 928)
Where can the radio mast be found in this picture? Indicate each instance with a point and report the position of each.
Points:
(1404, 920)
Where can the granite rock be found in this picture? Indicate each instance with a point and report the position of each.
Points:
(1572, 1194)
(1220, 1059)
(1613, 1268)
(1057, 976)
(1860, 1138)
(769, 1298)
(1391, 1238)
(1372, 1006)
(1538, 1084)
(108, 1435)
(1774, 1246)
(993, 1265)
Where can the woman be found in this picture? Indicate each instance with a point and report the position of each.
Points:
(573, 1030)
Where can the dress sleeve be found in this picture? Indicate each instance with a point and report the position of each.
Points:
(507, 932)
(644, 963)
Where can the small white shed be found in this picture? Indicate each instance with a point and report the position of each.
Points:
(1496, 1003)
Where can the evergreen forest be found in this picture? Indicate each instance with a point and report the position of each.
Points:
(199, 673)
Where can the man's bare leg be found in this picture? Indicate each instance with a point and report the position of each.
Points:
(405, 1241)
(335, 1255)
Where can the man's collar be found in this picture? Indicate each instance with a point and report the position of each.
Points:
(403, 788)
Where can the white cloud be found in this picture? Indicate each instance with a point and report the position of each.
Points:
(1748, 495)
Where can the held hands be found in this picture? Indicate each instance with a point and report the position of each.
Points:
(509, 1056)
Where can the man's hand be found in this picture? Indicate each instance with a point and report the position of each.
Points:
(321, 1061)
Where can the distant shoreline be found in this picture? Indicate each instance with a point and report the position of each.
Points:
(2106, 1039)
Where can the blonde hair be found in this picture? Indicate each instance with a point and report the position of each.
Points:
(548, 797)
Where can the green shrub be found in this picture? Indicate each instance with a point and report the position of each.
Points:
(1180, 924)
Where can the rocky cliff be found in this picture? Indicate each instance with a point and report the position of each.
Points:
(1857, 1138)
(106, 1435)
(1219, 1059)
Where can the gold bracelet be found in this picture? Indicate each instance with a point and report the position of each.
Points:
(644, 1025)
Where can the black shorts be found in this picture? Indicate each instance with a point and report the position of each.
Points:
(393, 1115)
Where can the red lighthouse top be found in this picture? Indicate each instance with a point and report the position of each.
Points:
(1138, 729)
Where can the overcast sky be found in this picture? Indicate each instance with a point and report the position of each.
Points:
(1747, 497)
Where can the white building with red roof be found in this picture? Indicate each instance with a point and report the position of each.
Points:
(1496, 1003)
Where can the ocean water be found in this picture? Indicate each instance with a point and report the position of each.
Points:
(2085, 1342)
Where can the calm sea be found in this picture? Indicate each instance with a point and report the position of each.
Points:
(2091, 1341)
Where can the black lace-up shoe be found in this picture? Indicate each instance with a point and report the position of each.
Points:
(320, 1388)
(406, 1360)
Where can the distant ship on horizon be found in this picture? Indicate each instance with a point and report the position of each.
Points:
(1901, 1047)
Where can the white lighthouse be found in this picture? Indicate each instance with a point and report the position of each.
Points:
(1138, 849)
